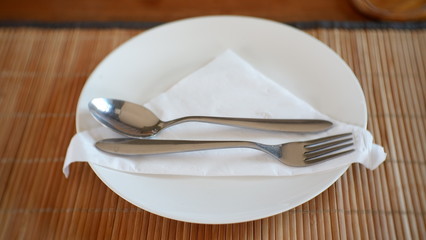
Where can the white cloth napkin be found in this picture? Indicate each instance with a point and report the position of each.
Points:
(229, 87)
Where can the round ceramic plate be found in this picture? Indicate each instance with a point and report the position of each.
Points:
(151, 62)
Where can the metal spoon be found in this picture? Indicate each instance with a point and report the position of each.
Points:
(136, 121)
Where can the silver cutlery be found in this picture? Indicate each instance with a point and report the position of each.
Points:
(296, 154)
(136, 121)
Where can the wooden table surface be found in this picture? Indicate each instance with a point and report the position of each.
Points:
(166, 10)
(43, 70)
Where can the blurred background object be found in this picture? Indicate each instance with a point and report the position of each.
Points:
(396, 10)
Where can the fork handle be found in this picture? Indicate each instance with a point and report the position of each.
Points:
(128, 146)
(285, 125)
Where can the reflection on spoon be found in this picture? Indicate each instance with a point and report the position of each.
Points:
(136, 121)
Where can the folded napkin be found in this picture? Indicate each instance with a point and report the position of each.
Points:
(229, 87)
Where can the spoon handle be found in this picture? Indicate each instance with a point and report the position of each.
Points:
(284, 125)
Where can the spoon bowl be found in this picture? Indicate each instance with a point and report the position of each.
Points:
(126, 118)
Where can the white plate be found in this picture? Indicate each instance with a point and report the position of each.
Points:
(151, 62)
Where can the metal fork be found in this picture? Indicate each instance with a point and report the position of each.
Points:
(296, 154)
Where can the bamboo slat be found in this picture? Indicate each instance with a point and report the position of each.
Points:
(42, 72)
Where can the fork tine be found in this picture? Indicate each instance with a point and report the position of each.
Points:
(318, 153)
(326, 139)
(319, 146)
(327, 157)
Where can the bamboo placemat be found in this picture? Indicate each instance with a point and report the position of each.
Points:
(42, 72)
